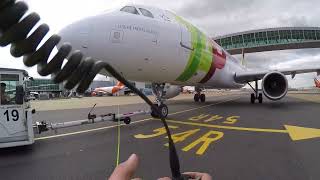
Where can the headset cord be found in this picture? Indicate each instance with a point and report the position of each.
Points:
(118, 138)
(77, 72)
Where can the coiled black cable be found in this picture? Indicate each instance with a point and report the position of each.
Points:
(77, 72)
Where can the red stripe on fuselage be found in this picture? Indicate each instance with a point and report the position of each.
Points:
(218, 61)
(208, 76)
(317, 82)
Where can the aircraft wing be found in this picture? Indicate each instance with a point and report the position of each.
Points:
(249, 76)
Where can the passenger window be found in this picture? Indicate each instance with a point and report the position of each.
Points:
(146, 13)
(9, 83)
(130, 9)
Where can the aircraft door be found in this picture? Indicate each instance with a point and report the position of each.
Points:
(186, 41)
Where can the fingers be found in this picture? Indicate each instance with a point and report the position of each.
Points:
(195, 175)
(165, 178)
(126, 170)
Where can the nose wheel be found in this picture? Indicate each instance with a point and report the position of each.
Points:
(163, 110)
(256, 95)
(158, 91)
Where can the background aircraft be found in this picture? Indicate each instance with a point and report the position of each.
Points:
(188, 89)
(108, 90)
(148, 44)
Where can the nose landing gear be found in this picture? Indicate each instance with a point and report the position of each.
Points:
(158, 91)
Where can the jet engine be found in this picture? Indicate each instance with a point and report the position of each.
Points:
(274, 85)
(171, 91)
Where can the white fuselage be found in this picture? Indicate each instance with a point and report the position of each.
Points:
(163, 49)
(104, 90)
(109, 90)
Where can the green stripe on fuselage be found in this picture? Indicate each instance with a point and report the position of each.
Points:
(206, 59)
(200, 59)
(194, 60)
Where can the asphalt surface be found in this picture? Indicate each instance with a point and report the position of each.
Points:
(227, 137)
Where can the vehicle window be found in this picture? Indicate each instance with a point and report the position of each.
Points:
(146, 13)
(9, 83)
(130, 9)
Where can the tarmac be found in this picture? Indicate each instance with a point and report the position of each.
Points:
(226, 137)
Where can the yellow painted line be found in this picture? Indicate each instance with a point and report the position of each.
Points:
(138, 121)
(229, 127)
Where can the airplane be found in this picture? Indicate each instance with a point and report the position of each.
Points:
(108, 90)
(317, 82)
(149, 44)
(188, 89)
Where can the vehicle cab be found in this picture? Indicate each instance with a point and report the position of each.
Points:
(16, 127)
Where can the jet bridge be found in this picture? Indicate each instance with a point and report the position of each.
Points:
(270, 39)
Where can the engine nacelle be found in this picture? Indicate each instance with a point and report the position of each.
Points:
(171, 91)
(274, 85)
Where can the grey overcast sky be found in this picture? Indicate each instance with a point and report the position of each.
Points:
(215, 17)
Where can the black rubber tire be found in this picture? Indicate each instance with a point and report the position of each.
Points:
(203, 98)
(253, 98)
(163, 109)
(196, 97)
(260, 98)
(153, 114)
(127, 120)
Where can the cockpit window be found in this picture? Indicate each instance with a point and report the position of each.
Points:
(130, 9)
(146, 13)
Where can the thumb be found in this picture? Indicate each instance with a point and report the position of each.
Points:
(126, 170)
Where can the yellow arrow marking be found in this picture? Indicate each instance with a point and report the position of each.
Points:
(295, 132)
(299, 133)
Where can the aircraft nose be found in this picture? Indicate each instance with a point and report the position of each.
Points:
(77, 35)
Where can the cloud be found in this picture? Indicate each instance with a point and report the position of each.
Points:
(223, 17)
(205, 8)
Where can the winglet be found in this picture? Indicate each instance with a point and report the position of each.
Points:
(300, 133)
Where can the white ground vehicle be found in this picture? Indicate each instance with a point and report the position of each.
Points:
(16, 127)
(16, 124)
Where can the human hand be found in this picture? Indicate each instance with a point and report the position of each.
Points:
(126, 170)
(197, 175)
(193, 175)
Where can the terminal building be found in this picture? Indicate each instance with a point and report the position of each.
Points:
(46, 88)
(49, 88)
(44, 85)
